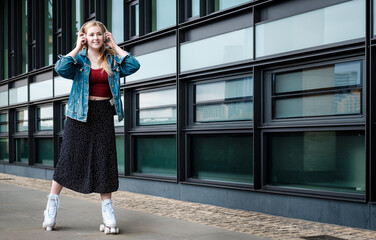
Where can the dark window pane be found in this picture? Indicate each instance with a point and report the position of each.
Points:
(120, 152)
(193, 8)
(226, 157)
(4, 149)
(5, 40)
(22, 150)
(24, 39)
(330, 161)
(156, 155)
(45, 151)
(3, 122)
(115, 19)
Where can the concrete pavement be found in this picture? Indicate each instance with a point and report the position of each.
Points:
(21, 217)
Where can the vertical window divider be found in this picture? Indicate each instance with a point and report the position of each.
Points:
(257, 122)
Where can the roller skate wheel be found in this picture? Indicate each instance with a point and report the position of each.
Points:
(107, 230)
(102, 227)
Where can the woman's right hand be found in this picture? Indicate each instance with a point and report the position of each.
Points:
(81, 40)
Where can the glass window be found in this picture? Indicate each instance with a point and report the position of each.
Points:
(77, 19)
(115, 19)
(4, 149)
(163, 14)
(193, 8)
(165, 65)
(22, 123)
(120, 152)
(24, 39)
(224, 157)
(48, 35)
(45, 151)
(3, 95)
(221, 49)
(18, 93)
(156, 107)
(45, 118)
(22, 150)
(39, 90)
(223, 4)
(156, 155)
(224, 101)
(329, 161)
(135, 20)
(5, 42)
(341, 22)
(330, 90)
(62, 85)
(3, 122)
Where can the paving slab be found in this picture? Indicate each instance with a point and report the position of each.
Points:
(21, 217)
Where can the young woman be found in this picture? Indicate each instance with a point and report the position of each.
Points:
(88, 161)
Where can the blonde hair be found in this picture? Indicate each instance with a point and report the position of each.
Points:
(103, 51)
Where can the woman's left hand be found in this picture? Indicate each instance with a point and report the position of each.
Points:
(110, 40)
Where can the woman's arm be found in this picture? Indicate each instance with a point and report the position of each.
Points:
(64, 66)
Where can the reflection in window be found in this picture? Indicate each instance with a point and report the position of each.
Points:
(223, 4)
(156, 155)
(18, 95)
(22, 123)
(374, 17)
(329, 90)
(4, 149)
(22, 150)
(3, 123)
(45, 151)
(135, 20)
(224, 101)
(3, 96)
(45, 118)
(225, 48)
(120, 152)
(157, 107)
(39, 90)
(77, 19)
(165, 65)
(163, 14)
(224, 157)
(341, 22)
(48, 33)
(115, 19)
(62, 85)
(329, 161)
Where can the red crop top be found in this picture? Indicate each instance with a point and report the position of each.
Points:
(98, 83)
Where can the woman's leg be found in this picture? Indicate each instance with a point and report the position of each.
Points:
(56, 188)
(109, 225)
(105, 196)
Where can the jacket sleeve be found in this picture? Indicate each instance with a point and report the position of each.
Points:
(65, 66)
(128, 65)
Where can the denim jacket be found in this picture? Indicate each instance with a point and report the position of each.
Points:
(78, 69)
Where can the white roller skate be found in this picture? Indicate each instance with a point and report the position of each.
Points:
(109, 221)
(51, 212)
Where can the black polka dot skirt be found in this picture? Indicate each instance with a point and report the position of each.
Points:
(88, 161)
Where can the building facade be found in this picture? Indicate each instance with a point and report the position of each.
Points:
(261, 105)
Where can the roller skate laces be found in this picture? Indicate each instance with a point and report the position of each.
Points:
(51, 212)
(109, 221)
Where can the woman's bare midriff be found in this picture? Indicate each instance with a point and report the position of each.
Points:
(95, 98)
